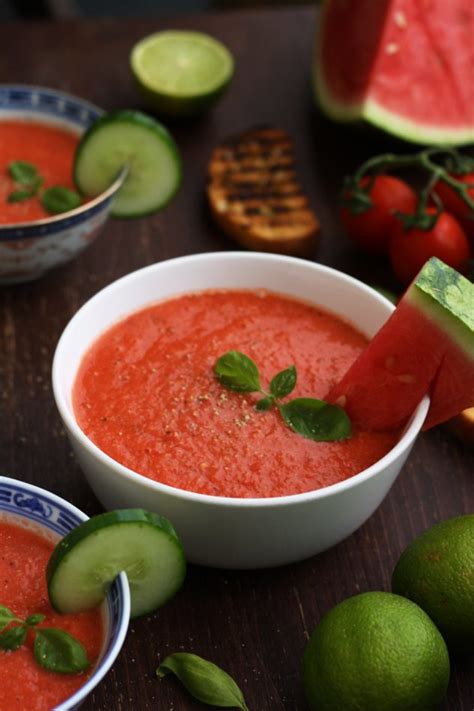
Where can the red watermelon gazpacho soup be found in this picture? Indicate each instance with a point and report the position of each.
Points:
(24, 554)
(147, 396)
(49, 150)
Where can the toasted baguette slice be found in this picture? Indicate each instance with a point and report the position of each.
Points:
(255, 196)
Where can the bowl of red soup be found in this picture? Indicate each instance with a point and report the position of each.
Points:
(44, 222)
(32, 521)
(135, 381)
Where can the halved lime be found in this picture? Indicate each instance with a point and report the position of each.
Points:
(86, 562)
(181, 73)
(141, 145)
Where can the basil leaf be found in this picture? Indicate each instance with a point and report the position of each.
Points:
(37, 183)
(59, 199)
(204, 680)
(20, 195)
(265, 403)
(6, 616)
(13, 638)
(238, 372)
(284, 382)
(22, 172)
(33, 620)
(59, 651)
(316, 419)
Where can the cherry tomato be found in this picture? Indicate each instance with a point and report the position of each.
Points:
(371, 229)
(411, 248)
(454, 204)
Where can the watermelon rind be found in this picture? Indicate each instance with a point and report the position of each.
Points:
(449, 304)
(374, 113)
(425, 347)
(414, 131)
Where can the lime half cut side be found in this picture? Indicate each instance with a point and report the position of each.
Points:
(181, 73)
(138, 143)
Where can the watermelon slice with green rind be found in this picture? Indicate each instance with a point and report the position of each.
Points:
(405, 66)
(425, 347)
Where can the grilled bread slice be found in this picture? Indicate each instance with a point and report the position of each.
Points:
(255, 196)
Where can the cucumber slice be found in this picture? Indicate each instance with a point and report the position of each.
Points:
(133, 140)
(86, 561)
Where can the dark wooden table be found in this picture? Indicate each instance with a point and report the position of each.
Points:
(254, 624)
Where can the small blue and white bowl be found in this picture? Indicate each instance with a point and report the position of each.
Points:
(28, 250)
(37, 509)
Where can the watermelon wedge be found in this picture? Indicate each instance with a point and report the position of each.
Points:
(425, 347)
(405, 66)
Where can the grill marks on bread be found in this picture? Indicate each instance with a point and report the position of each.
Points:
(255, 195)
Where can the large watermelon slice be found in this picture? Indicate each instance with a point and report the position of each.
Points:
(426, 346)
(406, 66)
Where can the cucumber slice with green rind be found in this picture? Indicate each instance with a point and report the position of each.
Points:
(86, 562)
(136, 141)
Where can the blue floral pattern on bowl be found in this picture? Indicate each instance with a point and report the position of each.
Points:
(30, 249)
(22, 500)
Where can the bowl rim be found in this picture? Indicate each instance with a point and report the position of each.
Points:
(53, 219)
(405, 441)
(58, 92)
(123, 590)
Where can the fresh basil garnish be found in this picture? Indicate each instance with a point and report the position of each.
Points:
(20, 195)
(283, 383)
(12, 638)
(308, 417)
(205, 681)
(59, 199)
(238, 372)
(6, 617)
(265, 403)
(22, 172)
(54, 200)
(25, 174)
(59, 651)
(316, 419)
(54, 649)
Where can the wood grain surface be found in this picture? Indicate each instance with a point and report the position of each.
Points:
(253, 624)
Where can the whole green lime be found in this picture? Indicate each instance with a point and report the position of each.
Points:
(375, 652)
(437, 572)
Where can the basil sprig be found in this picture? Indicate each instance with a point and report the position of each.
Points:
(27, 176)
(54, 649)
(204, 680)
(311, 418)
(54, 200)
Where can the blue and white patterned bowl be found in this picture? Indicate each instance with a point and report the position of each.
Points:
(36, 508)
(30, 249)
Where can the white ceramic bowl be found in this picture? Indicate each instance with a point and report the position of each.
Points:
(30, 249)
(37, 509)
(221, 531)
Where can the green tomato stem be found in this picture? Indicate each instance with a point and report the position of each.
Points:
(423, 160)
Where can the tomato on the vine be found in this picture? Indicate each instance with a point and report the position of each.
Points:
(411, 248)
(453, 203)
(371, 228)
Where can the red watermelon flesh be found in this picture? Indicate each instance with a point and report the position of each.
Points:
(404, 65)
(425, 347)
